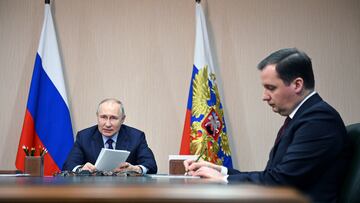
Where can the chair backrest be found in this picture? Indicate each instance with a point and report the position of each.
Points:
(351, 188)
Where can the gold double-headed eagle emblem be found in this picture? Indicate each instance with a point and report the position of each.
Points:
(208, 127)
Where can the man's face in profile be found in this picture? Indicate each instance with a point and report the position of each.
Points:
(109, 118)
(280, 97)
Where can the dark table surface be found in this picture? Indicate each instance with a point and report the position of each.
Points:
(160, 188)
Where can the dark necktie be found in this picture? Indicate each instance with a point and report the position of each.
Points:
(282, 129)
(109, 142)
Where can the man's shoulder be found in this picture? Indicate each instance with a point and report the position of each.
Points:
(88, 131)
(318, 115)
(315, 105)
(323, 108)
(130, 130)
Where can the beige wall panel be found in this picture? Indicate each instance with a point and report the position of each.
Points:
(142, 53)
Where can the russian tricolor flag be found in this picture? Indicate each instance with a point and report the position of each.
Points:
(47, 119)
(205, 132)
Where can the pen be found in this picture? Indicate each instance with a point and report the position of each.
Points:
(200, 155)
(26, 150)
(32, 152)
(44, 151)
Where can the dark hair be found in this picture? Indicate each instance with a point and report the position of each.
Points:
(290, 64)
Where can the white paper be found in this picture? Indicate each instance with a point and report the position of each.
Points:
(15, 175)
(171, 176)
(183, 157)
(109, 159)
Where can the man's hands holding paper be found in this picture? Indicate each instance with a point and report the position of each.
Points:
(204, 169)
(127, 167)
(123, 167)
(88, 167)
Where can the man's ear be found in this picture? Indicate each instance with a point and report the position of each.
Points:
(298, 84)
(123, 119)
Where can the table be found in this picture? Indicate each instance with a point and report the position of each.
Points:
(137, 190)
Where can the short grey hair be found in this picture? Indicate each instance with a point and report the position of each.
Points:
(115, 101)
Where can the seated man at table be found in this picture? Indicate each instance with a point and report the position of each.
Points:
(110, 132)
(311, 151)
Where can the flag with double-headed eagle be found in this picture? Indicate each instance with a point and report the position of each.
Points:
(205, 131)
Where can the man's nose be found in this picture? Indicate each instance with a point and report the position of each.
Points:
(108, 122)
(265, 96)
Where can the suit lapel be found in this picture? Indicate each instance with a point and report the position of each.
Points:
(97, 143)
(122, 139)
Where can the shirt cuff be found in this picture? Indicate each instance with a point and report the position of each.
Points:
(225, 178)
(77, 168)
(224, 171)
(143, 169)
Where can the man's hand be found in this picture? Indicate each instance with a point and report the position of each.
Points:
(192, 166)
(204, 169)
(89, 167)
(125, 166)
(210, 173)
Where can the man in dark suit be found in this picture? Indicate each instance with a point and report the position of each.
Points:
(311, 149)
(110, 132)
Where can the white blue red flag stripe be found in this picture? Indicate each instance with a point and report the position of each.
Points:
(47, 120)
(205, 131)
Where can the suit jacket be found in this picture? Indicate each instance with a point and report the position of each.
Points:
(89, 142)
(312, 155)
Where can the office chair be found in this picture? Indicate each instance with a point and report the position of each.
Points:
(351, 188)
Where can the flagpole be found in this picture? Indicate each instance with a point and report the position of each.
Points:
(47, 1)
